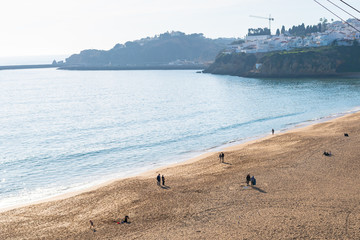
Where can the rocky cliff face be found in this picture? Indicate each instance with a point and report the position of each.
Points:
(233, 64)
(325, 61)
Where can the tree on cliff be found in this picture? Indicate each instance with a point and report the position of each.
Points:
(283, 29)
(258, 31)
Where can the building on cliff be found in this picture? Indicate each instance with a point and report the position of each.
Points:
(337, 32)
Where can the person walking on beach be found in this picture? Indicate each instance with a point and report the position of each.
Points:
(158, 179)
(248, 179)
(273, 131)
(221, 157)
(163, 180)
(253, 181)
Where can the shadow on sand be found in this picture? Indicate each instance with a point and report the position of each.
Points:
(258, 189)
(226, 163)
(165, 187)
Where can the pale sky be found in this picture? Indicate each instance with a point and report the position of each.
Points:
(64, 27)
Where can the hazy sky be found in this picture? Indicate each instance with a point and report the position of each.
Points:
(47, 27)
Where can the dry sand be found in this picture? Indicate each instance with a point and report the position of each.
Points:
(300, 194)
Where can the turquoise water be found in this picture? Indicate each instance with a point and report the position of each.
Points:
(62, 131)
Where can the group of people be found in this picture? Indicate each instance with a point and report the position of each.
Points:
(159, 179)
(221, 157)
(126, 220)
(250, 179)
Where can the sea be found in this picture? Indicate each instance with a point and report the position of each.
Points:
(64, 131)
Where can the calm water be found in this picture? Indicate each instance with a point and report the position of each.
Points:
(65, 130)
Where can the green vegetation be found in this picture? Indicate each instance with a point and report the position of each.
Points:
(258, 31)
(157, 51)
(301, 30)
(237, 42)
(322, 61)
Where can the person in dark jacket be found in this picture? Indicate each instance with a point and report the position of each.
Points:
(253, 181)
(248, 179)
(158, 179)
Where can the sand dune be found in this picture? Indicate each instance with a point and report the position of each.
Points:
(300, 194)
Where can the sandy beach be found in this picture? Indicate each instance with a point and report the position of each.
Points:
(300, 194)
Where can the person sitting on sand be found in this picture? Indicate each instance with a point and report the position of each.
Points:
(327, 153)
(248, 179)
(126, 220)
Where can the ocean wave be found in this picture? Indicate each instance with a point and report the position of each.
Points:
(234, 126)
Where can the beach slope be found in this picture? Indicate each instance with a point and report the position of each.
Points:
(300, 194)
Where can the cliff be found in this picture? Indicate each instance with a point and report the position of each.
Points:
(323, 61)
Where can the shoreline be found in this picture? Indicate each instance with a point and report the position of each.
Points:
(128, 68)
(233, 145)
(300, 194)
(228, 146)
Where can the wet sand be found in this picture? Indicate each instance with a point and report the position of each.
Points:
(300, 194)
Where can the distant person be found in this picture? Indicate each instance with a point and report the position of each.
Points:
(253, 181)
(92, 227)
(327, 153)
(272, 131)
(248, 179)
(163, 180)
(126, 220)
(158, 179)
(220, 156)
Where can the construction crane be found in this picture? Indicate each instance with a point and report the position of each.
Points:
(268, 18)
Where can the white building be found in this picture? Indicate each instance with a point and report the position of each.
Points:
(338, 32)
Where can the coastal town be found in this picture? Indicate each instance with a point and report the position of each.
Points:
(336, 33)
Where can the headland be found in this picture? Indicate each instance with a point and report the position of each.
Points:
(328, 61)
